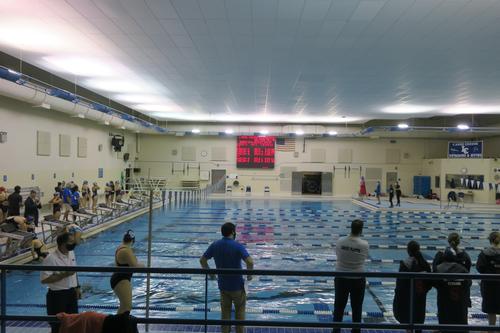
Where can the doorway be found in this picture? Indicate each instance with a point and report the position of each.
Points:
(391, 178)
(311, 183)
(216, 176)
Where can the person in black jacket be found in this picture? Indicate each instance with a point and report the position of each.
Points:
(453, 295)
(391, 195)
(488, 262)
(401, 306)
(31, 207)
(15, 201)
(461, 256)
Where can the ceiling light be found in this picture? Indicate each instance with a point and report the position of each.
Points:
(408, 108)
(229, 131)
(471, 109)
(106, 123)
(403, 126)
(81, 115)
(158, 107)
(195, 130)
(332, 133)
(299, 132)
(123, 128)
(264, 132)
(79, 66)
(463, 127)
(13, 71)
(115, 85)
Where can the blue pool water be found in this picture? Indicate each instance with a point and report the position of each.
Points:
(279, 234)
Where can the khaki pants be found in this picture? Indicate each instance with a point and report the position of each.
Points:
(227, 299)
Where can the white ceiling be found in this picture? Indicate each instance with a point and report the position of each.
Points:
(322, 61)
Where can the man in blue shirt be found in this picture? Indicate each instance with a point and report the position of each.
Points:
(228, 253)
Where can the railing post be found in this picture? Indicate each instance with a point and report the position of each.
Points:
(3, 310)
(412, 305)
(206, 302)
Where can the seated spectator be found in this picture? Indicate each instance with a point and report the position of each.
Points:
(15, 202)
(4, 204)
(31, 207)
(453, 295)
(21, 223)
(38, 249)
(401, 307)
(488, 262)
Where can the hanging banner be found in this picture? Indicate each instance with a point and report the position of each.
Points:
(470, 149)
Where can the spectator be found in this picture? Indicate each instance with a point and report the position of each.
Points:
(118, 192)
(362, 188)
(66, 197)
(4, 204)
(120, 282)
(56, 202)
(63, 292)
(15, 202)
(398, 194)
(488, 262)
(401, 308)
(461, 256)
(31, 206)
(95, 188)
(228, 253)
(352, 251)
(85, 198)
(391, 195)
(378, 190)
(112, 192)
(38, 249)
(453, 296)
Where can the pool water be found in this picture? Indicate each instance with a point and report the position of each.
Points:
(279, 234)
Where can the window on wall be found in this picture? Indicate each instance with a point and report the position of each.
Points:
(437, 181)
(466, 182)
(100, 173)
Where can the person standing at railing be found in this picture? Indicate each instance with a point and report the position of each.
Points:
(15, 202)
(121, 282)
(453, 295)
(488, 262)
(64, 292)
(228, 253)
(352, 251)
(401, 306)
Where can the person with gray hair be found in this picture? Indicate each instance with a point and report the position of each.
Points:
(352, 251)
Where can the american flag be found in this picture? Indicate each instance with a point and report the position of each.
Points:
(285, 144)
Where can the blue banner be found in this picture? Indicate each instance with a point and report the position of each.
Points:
(470, 149)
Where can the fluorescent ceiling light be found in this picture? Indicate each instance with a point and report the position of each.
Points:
(463, 127)
(106, 123)
(81, 115)
(408, 109)
(195, 130)
(229, 131)
(403, 126)
(264, 132)
(171, 107)
(80, 66)
(123, 128)
(332, 133)
(138, 98)
(472, 109)
(12, 71)
(115, 85)
(299, 132)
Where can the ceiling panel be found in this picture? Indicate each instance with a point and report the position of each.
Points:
(299, 60)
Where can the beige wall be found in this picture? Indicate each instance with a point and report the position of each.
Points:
(156, 158)
(18, 156)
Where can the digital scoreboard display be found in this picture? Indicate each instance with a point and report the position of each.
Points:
(255, 152)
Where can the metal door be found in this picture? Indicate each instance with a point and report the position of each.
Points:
(326, 183)
(216, 176)
(296, 182)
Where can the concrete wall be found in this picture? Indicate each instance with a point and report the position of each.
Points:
(18, 156)
(157, 159)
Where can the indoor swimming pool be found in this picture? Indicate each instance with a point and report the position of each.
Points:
(279, 234)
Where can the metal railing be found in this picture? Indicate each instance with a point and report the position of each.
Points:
(411, 325)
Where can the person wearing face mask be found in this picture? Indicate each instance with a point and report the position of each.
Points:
(488, 262)
(64, 292)
(121, 282)
(228, 253)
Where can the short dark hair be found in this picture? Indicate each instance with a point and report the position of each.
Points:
(227, 229)
(17, 189)
(357, 227)
(62, 238)
(494, 237)
(32, 192)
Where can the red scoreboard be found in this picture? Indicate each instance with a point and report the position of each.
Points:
(255, 152)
